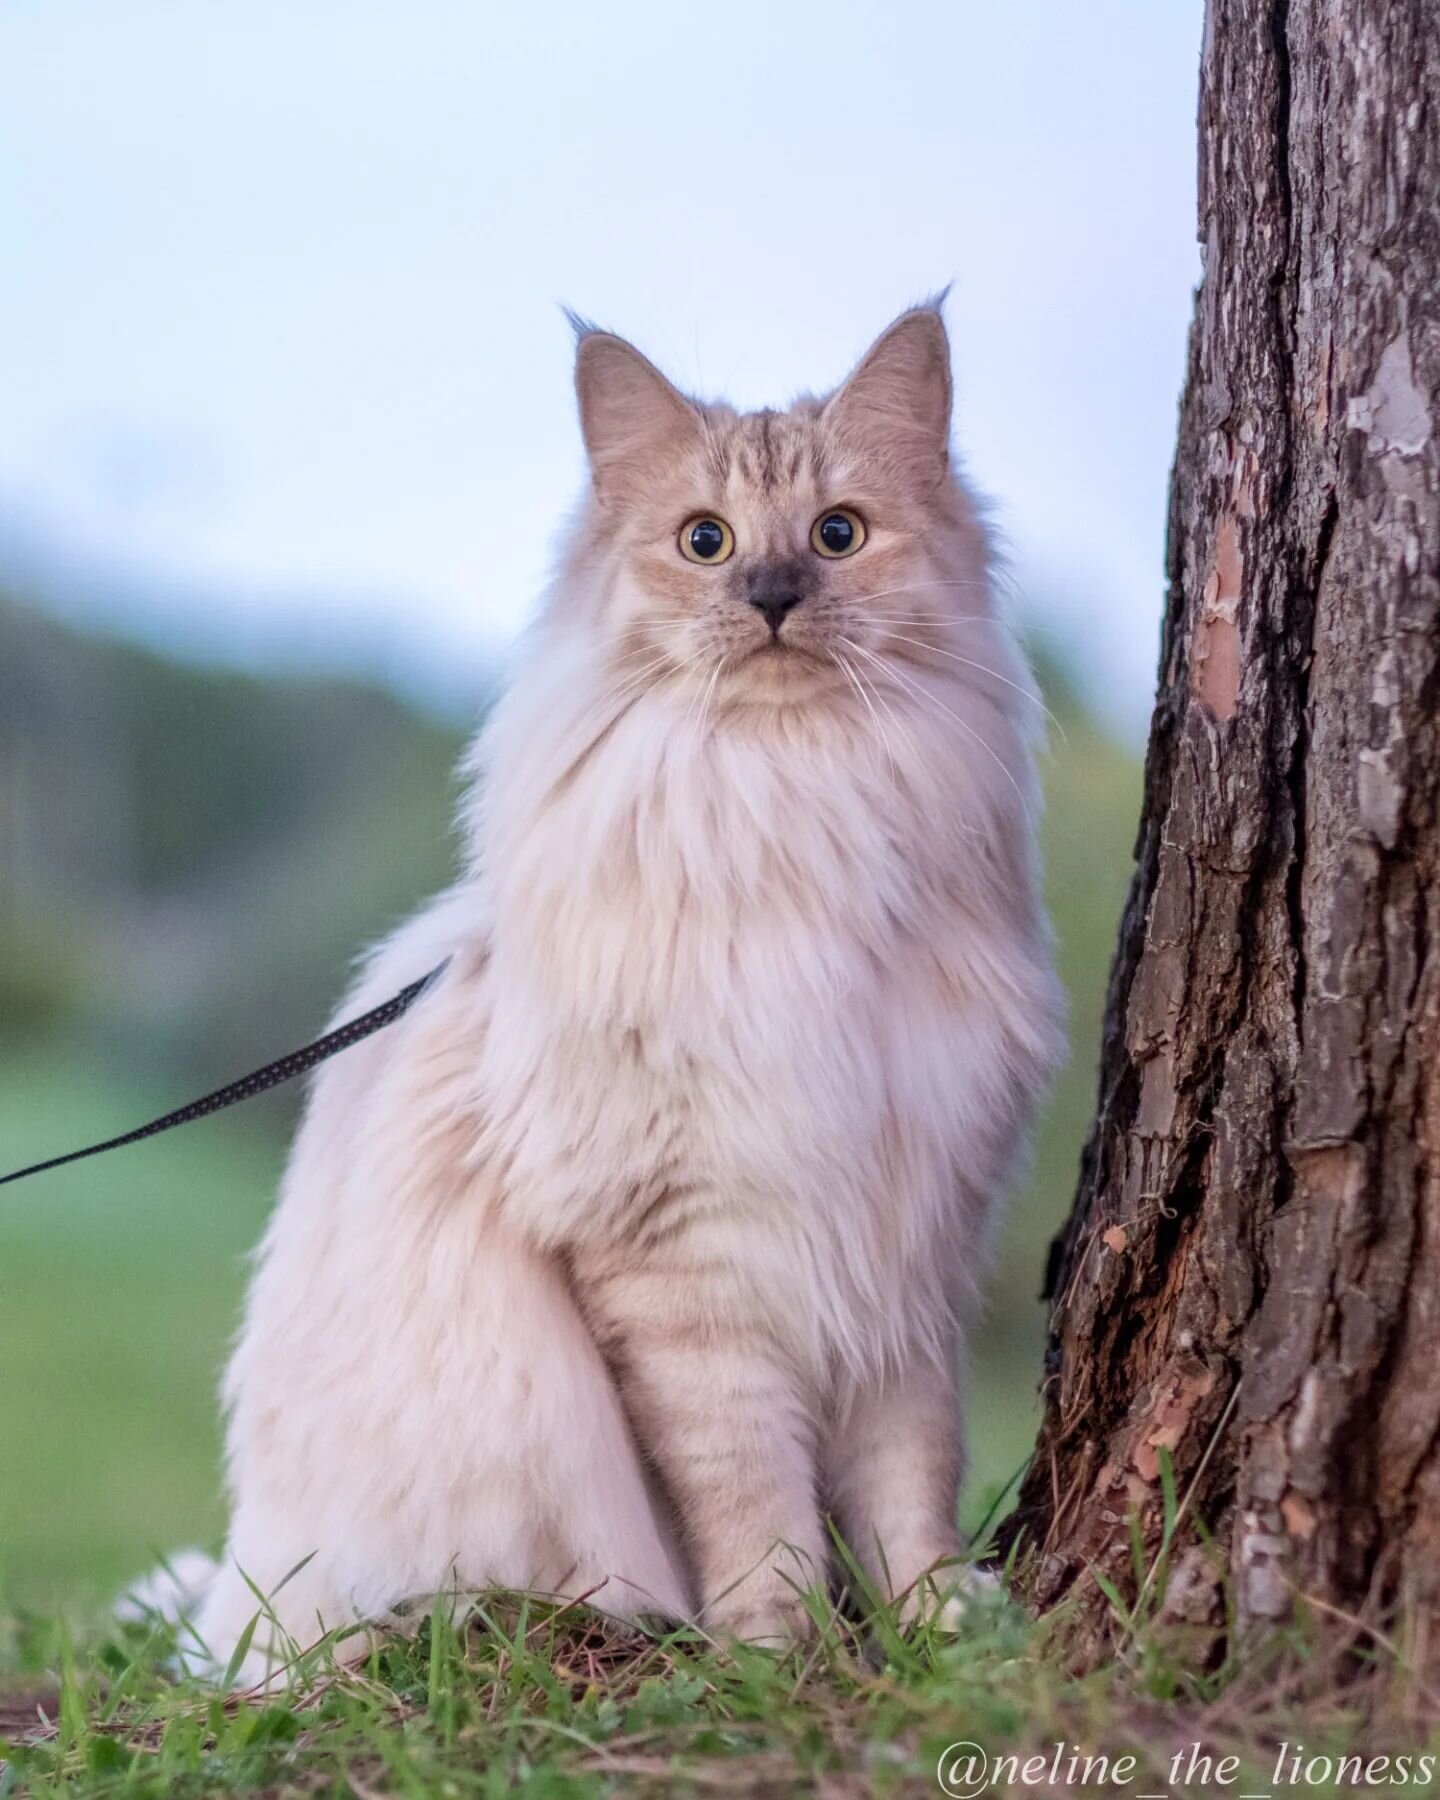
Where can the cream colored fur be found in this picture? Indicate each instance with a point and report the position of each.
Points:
(655, 1228)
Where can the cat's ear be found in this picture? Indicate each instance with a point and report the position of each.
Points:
(896, 401)
(632, 419)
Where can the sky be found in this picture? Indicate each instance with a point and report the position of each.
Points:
(283, 368)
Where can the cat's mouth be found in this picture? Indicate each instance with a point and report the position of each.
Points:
(779, 669)
(780, 646)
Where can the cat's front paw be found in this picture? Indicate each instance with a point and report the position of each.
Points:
(946, 1599)
(778, 1620)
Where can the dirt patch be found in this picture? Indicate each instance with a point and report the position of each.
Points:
(28, 1716)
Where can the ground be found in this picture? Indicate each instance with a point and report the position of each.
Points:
(555, 1702)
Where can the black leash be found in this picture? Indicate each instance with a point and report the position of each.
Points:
(298, 1062)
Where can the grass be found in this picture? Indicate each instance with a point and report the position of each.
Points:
(556, 1701)
(118, 1288)
(552, 1699)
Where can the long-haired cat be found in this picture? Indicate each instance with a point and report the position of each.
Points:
(651, 1235)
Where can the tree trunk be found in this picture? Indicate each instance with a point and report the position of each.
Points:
(1249, 1283)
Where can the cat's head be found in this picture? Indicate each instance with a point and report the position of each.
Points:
(771, 550)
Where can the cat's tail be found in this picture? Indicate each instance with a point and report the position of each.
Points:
(171, 1594)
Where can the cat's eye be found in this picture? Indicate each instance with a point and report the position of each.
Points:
(837, 533)
(706, 540)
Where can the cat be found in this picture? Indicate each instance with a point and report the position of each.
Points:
(651, 1236)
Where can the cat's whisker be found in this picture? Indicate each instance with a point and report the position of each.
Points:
(1018, 627)
(850, 675)
(668, 653)
(938, 619)
(917, 587)
(617, 700)
(709, 695)
(882, 702)
(629, 691)
(612, 712)
(920, 692)
(985, 669)
(966, 828)
(663, 659)
(634, 680)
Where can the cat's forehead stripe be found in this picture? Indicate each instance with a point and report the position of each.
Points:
(771, 449)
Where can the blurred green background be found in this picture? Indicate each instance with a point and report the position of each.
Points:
(190, 858)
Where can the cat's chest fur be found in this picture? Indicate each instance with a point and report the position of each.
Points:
(728, 967)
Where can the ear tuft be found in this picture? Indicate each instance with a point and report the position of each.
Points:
(631, 417)
(897, 400)
(578, 323)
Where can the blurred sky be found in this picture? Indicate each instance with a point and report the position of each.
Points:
(282, 367)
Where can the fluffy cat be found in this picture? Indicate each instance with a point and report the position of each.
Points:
(653, 1231)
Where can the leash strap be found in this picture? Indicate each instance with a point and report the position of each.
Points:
(286, 1068)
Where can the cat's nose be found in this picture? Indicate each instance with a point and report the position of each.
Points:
(773, 603)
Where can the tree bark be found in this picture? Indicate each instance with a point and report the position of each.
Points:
(1249, 1282)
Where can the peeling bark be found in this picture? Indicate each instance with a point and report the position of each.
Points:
(1250, 1277)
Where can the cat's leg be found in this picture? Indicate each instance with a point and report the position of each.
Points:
(416, 1403)
(730, 1425)
(458, 1432)
(253, 1623)
(893, 1464)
